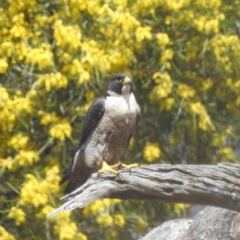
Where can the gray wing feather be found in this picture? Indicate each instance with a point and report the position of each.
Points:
(77, 172)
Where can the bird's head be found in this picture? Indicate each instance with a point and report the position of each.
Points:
(120, 83)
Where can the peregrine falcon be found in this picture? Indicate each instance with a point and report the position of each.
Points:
(106, 131)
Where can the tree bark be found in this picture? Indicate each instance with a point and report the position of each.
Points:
(214, 185)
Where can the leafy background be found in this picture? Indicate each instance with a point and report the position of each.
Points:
(55, 58)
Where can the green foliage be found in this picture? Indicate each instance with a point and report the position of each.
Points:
(55, 58)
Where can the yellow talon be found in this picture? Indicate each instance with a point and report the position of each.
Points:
(106, 167)
(129, 166)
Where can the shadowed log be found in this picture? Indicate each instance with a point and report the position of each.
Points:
(213, 185)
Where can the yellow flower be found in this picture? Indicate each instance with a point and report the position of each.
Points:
(205, 122)
(167, 104)
(94, 208)
(163, 88)
(105, 219)
(25, 158)
(18, 215)
(67, 36)
(45, 211)
(143, 33)
(47, 118)
(218, 139)
(61, 130)
(18, 141)
(179, 207)
(65, 230)
(167, 54)
(228, 130)
(84, 76)
(42, 56)
(4, 235)
(3, 65)
(34, 192)
(52, 80)
(131, 144)
(120, 2)
(90, 96)
(227, 153)
(185, 91)
(118, 220)
(112, 234)
(18, 31)
(9, 164)
(207, 84)
(141, 224)
(162, 39)
(98, 206)
(53, 178)
(21, 50)
(151, 152)
(80, 236)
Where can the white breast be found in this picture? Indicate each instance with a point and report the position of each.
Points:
(121, 106)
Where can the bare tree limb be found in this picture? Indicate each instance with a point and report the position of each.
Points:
(214, 185)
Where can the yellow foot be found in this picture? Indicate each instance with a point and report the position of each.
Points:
(106, 167)
(129, 166)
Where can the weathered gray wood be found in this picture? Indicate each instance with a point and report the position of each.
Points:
(214, 185)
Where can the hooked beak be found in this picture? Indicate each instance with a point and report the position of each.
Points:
(127, 80)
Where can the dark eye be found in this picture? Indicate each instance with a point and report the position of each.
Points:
(119, 79)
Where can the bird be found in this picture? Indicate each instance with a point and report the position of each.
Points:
(106, 132)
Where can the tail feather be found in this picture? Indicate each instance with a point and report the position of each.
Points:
(66, 174)
(77, 173)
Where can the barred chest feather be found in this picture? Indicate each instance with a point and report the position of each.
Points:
(110, 138)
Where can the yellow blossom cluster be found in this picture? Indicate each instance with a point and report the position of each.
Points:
(227, 153)
(166, 56)
(143, 33)
(185, 91)
(179, 207)
(26, 157)
(218, 139)
(18, 215)
(3, 65)
(5, 235)
(220, 44)
(59, 128)
(11, 109)
(67, 36)
(41, 56)
(166, 104)
(199, 109)
(52, 80)
(151, 152)
(34, 192)
(162, 39)
(65, 229)
(18, 141)
(105, 219)
(54, 60)
(163, 87)
(98, 206)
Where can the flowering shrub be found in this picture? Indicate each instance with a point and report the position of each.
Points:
(55, 57)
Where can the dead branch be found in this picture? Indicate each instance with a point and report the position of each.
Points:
(213, 185)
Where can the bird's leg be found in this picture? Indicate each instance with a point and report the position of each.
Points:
(106, 167)
(129, 166)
